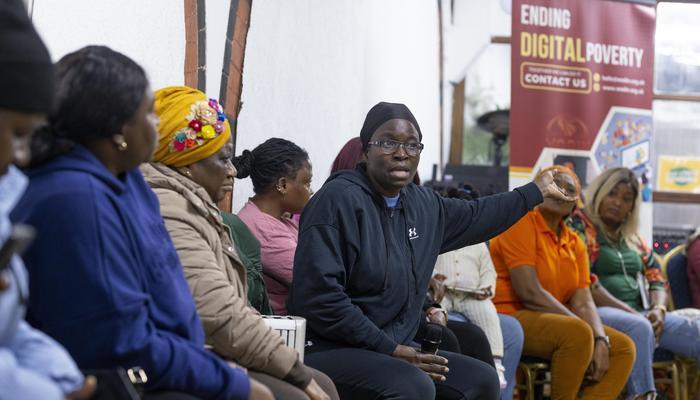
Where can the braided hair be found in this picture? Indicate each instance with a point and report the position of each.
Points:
(271, 160)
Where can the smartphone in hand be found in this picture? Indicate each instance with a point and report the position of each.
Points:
(21, 236)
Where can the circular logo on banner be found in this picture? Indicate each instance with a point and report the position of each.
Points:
(566, 131)
(681, 176)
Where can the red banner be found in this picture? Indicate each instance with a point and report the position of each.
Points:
(581, 85)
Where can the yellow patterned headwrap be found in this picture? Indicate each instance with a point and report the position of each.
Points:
(192, 126)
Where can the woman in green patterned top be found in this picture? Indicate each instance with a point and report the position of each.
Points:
(624, 266)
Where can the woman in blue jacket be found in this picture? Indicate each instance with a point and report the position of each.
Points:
(105, 279)
(32, 365)
(368, 242)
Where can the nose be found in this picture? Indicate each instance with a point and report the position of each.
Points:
(231, 170)
(21, 152)
(401, 153)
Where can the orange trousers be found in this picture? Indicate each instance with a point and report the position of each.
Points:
(568, 343)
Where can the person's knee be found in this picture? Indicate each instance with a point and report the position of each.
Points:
(417, 386)
(469, 378)
(640, 330)
(486, 385)
(513, 335)
(578, 334)
(622, 346)
(413, 384)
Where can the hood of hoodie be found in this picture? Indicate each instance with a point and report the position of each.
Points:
(81, 159)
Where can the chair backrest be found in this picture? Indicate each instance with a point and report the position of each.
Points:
(676, 271)
(291, 328)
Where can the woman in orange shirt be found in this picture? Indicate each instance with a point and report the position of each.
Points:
(543, 281)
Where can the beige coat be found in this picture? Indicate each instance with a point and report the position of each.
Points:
(215, 275)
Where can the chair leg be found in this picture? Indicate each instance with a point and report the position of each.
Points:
(696, 381)
(675, 378)
(684, 381)
(529, 384)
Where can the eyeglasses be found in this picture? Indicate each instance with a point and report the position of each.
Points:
(413, 149)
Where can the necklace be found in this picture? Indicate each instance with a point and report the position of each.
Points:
(617, 245)
(630, 282)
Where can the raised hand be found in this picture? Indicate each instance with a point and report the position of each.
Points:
(549, 188)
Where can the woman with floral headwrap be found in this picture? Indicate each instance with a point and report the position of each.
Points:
(192, 163)
(543, 281)
(624, 265)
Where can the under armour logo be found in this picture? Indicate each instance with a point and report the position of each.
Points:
(412, 233)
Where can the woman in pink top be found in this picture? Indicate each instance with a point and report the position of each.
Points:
(281, 175)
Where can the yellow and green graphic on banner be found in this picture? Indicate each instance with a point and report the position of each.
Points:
(679, 174)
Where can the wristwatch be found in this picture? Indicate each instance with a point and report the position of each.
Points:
(659, 307)
(434, 310)
(604, 339)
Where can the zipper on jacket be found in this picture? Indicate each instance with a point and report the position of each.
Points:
(413, 255)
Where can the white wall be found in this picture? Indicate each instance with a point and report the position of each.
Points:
(150, 32)
(216, 24)
(313, 69)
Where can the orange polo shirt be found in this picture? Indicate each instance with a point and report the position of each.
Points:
(561, 263)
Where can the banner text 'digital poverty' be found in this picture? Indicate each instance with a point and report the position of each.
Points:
(568, 48)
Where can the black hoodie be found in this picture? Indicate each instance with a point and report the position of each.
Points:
(361, 269)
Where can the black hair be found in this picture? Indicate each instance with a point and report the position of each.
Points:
(465, 192)
(271, 160)
(97, 91)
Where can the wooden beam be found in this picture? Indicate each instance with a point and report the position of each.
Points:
(457, 131)
(202, 45)
(195, 44)
(500, 39)
(676, 97)
(676, 197)
(234, 55)
(232, 72)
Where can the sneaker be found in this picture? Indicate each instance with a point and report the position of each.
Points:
(501, 370)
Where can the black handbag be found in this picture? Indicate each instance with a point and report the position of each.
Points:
(118, 384)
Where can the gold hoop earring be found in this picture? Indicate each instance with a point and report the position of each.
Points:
(120, 142)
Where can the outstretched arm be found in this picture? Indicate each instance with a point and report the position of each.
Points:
(470, 222)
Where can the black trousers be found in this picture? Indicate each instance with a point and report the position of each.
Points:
(462, 338)
(361, 374)
(169, 396)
